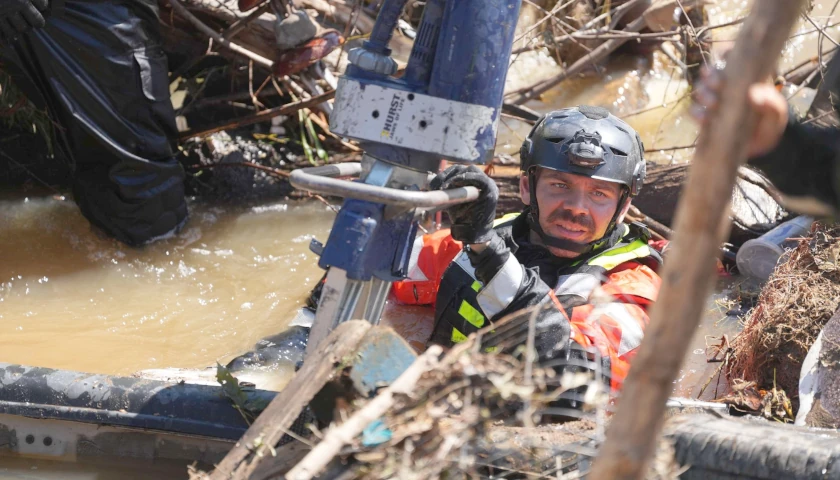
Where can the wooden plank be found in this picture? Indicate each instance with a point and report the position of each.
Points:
(701, 226)
(276, 420)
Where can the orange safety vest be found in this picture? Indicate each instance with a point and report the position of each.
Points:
(612, 290)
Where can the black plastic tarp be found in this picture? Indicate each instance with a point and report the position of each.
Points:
(99, 68)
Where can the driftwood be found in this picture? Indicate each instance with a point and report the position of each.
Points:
(655, 17)
(429, 383)
(755, 206)
(701, 226)
(276, 420)
(659, 196)
(802, 71)
(206, 30)
(659, 231)
(258, 37)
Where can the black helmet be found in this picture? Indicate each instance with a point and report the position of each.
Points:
(587, 141)
(584, 141)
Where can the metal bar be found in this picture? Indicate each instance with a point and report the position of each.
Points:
(347, 304)
(348, 169)
(315, 179)
(376, 298)
(331, 294)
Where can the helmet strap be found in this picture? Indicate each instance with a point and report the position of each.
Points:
(533, 217)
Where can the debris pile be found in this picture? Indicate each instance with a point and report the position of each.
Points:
(474, 411)
(257, 77)
(800, 297)
(746, 398)
(462, 417)
(580, 35)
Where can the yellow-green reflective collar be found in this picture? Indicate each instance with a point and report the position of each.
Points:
(613, 258)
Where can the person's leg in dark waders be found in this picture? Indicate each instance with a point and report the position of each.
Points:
(100, 70)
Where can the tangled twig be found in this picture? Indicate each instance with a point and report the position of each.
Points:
(800, 297)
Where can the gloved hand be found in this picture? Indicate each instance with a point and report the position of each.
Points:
(768, 105)
(471, 222)
(20, 16)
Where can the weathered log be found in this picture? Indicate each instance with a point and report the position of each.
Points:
(754, 208)
(641, 15)
(596, 55)
(701, 226)
(798, 73)
(658, 198)
(219, 15)
(201, 27)
(659, 231)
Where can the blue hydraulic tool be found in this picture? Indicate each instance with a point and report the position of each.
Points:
(445, 106)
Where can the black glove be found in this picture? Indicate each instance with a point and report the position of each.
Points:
(471, 222)
(20, 16)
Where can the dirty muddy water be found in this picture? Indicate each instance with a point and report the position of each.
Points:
(72, 299)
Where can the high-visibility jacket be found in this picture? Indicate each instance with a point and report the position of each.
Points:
(603, 296)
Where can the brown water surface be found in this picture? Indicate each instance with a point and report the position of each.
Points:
(72, 299)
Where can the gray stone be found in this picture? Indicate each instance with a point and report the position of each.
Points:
(294, 30)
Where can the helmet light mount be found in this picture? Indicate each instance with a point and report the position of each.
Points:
(585, 150)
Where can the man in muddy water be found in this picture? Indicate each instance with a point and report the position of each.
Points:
(568, 254)
(99, 70)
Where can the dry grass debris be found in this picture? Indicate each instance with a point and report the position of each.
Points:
(797, 301)
(466, 417)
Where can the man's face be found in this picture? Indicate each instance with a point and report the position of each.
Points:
(573, 207)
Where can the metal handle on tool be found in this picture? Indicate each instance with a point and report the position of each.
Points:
(322, 180)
